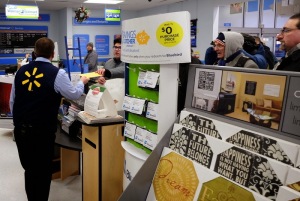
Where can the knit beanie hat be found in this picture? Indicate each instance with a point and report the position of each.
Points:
(220, 39)
(90, 44)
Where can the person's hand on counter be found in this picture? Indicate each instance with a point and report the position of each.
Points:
(84, 79)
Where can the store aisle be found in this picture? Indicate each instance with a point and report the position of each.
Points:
(12, 176)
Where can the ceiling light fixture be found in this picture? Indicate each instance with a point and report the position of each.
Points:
(104, 1)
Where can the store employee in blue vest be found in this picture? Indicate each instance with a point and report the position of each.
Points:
(35, 98)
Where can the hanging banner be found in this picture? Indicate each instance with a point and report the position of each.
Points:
(158, 39)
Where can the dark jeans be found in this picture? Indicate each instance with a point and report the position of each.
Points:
(36, 149)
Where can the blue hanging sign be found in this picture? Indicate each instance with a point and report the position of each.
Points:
(102, 44)
(93, 21)
(41, 18)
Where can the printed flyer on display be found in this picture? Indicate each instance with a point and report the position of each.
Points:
(158, 39)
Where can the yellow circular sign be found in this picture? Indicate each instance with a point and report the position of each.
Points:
(175, 179)
(169, 34)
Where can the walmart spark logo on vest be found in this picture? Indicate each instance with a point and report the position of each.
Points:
(32, 79)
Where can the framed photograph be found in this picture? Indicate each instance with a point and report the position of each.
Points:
(250, 88)
(236, 8)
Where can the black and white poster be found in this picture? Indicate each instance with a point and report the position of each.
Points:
(198, 149)
(250, 170)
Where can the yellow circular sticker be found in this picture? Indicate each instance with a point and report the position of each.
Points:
(169, 34)
(175, 179)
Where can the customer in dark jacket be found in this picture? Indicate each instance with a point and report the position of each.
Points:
(289, 38)
(34, 101)
(210, 55)
(254, 51)
(269, 56)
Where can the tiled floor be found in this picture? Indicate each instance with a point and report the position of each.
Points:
(12, 179)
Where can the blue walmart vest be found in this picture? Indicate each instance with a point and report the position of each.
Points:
(36, 102)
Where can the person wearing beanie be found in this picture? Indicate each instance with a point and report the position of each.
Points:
(91, 58)
(228, 46)
(114, 67)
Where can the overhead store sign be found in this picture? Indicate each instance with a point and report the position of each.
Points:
(21, 12)
(95, 21)
(113, 15)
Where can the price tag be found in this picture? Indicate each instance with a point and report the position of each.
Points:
(129, 130)
(152, 111)
(169, 34)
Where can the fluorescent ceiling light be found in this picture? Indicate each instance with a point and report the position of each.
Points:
(104, 1)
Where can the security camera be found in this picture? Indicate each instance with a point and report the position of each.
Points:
(149, 0)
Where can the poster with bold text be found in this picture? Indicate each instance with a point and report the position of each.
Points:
(157, 39)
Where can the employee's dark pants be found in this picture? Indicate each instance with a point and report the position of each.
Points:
(36, 148)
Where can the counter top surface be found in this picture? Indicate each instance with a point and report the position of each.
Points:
(7, 79)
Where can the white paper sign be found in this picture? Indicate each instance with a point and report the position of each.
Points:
(137, 105)
(271, 90)
(139, 135)
(152, 111)
(150, 140)
(151, 79)
(141, 78)
(126, 103)
(129, 130)
(157, 39)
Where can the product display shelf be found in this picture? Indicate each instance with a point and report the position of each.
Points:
(139, 187)
(166, 87)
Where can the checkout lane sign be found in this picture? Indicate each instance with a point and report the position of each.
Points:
(21, 12)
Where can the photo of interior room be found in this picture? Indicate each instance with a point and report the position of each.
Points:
(255, 98)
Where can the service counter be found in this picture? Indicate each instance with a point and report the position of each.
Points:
(8, 79)
(102, 159)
